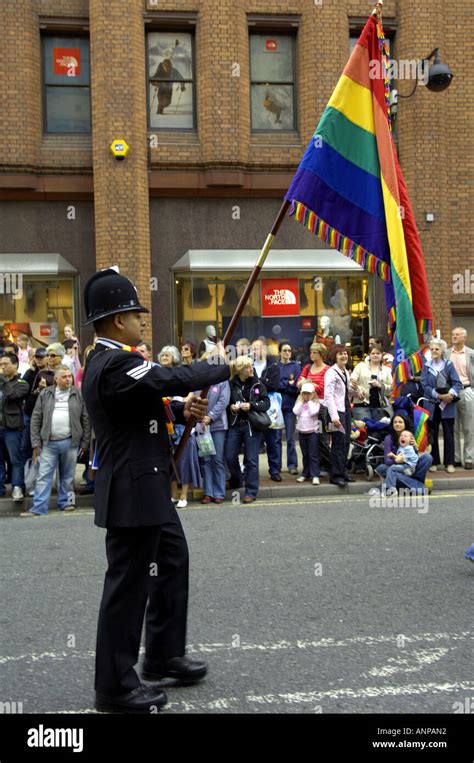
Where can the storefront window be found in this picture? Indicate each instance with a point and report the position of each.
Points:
(37, 306)
(280, 307)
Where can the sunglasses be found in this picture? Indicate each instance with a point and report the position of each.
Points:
(52, 355)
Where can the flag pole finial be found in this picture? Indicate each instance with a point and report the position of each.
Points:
(378, 9)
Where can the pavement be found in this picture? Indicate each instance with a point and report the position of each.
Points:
(461, 480)
(334, 604)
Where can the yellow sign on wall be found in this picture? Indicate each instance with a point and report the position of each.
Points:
(119, 148)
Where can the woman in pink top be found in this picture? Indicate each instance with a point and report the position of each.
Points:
(316, 370)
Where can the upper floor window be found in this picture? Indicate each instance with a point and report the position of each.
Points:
(272, 81)
(171, 88)
(66, 78)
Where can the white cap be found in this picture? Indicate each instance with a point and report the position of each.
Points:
(307, 387)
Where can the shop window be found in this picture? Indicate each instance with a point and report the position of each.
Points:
(295, 309)
(66, 77)
(171, 85)
(272, 82)
(35, 306)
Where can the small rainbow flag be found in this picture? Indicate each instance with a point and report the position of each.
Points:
(349, 191)
(420, 421)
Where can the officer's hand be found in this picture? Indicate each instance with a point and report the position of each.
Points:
(195, 407)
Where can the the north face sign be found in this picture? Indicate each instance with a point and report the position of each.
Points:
(280, 296)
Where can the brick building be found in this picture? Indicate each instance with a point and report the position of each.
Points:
(216, 100)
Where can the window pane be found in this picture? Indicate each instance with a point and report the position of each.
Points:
(68, 109)
(171, 105)
(271, 58)
(66, 60)
(170, 55)
(272, 107)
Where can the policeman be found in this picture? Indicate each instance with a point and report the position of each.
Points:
(145, 544)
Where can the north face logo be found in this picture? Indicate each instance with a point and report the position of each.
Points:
(280, 297)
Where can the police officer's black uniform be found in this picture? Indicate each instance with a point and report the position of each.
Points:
(123, 395)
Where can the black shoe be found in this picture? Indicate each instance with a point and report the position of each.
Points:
(276, 477)
(338, 481)
(348, 478)
(182, 669)
(85, 491)
(143, 699)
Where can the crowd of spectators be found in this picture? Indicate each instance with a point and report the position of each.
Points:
(273, 397)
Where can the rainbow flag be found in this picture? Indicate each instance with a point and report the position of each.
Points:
(349, 191)
(420, 422)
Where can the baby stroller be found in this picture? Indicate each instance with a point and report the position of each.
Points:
(368, 451)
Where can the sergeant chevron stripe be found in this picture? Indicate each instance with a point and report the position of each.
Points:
(141, 370)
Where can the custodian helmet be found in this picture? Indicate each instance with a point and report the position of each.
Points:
(108, 292)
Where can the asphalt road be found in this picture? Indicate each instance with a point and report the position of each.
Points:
(328, 606)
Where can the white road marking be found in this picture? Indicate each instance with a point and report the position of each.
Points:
(411, 663)
(306, 698)
(276, 646)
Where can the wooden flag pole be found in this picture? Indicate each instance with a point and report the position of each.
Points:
(378, 9)
(239, 310)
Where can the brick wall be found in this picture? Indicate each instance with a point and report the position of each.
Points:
(119, 112)
(435, 138)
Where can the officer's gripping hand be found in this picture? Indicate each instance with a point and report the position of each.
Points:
(195, 407)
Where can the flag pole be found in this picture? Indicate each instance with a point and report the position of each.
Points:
(239, 310)
(378, 9)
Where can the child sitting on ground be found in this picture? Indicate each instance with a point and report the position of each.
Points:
(406, 459)
(306, 411)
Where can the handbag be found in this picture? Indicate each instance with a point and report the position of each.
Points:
(31, 474)
(260, 420)
(324, 416)
(205, 443)
(443, 383)
(275, 412)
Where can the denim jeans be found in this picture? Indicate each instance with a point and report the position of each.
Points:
(26, 449)
(251, 441)
(272, 439)
(393, 472)
(54, 453)
(291, 454)
(424, 463)
(10, 442)
(213, 467)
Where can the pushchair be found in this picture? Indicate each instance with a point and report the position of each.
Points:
(368, 452)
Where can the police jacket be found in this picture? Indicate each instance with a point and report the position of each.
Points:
(12, 393)
(123, 396)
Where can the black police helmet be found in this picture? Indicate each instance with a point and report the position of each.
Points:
(107, 293)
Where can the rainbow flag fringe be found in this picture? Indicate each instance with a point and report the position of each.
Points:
(343, 244)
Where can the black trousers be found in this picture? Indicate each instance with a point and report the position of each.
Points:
(340, 446)
(146, 566)
(309, 444)
(448, 434)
